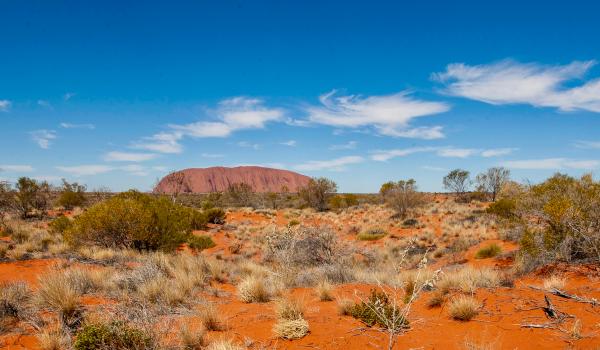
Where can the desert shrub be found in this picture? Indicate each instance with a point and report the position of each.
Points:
(240, 195)
(378, 310)
(559, 220)
(410, 222)
(342, 201)
(71, 195)
(463, 308)
(198, 220)
(215, 215)
(488, 252)
(457, 181)
(133, 220)
(504, 208)
(115, 335)
(317, 192)
(303, 246)
(60, 224)
(372, 234)
(402, 196)
(492, 181)
(200, 242)
(15, 300)
(31, 195)
(293, 222)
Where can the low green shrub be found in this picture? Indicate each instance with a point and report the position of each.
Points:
(378, 310)
(488, 252)
(293, 222)
(134, 220)
(372, 234)
(114, 335)
(200, 242)
(504, 208)
(215, 216)
(60, 224)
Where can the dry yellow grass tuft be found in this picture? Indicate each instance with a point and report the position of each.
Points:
(463, 308)
(291, 329)
(211, 320)
(554, 282)
(254, 289)
(324, 290)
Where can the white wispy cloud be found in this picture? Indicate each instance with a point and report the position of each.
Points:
(246, 144)
(510, 82)
(290, 143)
(84, 170)
(16, 168)
(5, 105)
(68, 96)
(390, 115)
(433, 168)
(77, 126)
(43, 137)
(445, 151)
(552, 164)
(231, 115)
(338, 164)
(45, 104)
(348, 145)
(212, 155)
(128, 157)
(497, 152)
(587, 144)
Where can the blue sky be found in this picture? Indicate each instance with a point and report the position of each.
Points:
(115, 94)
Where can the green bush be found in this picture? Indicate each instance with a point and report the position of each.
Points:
(134, 220)
(372, 234)
(60, 224)
(215, 215)
(72, 195)
(198, 220)
(488, 252)
(115, 335)
(504, 208)
(342, 201)
(293, 222)
(200, 242)
(377, 310)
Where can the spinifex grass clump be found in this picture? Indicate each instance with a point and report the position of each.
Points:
(378, 310)
(372, 234)
(114, 335)
(488, 252)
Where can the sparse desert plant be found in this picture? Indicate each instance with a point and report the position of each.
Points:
(379, 310)
(291, 329)
(15, 303)
(463, 308)
(215, 215)
(468, 279)
(324, 290)
(71, 195)
(489, 251)
(289, 308)
(192, 339)
(254, 289)
(457, 181)
(60, 224)
(224, 345)
(211, 319)
(554, 282)
(57, 293)
(115, 335)
(200, 242)
(54, 338)
(317, 192)
(493, 180)
(402, 196)
(345, 307)
(372, 234)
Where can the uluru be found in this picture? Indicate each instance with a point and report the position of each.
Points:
(218, 179)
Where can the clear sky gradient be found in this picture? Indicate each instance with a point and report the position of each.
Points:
(118, 94)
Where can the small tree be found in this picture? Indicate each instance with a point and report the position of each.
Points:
(493, 180)
(402, 196)
(240, 194)
(6, 199)
(177, 183)
(72, 195)
(31, 195)
(457, 181)
(317, 192)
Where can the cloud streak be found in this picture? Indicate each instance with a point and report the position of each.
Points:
(5, 105)
(43, 137)
(337, 164)
(128, 157)
(446, 152)
(552, 164)
(510, 82)
(389, 115)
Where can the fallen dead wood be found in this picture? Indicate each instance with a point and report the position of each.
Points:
(566, 295)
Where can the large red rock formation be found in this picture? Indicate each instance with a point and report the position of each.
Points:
(218, 179)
